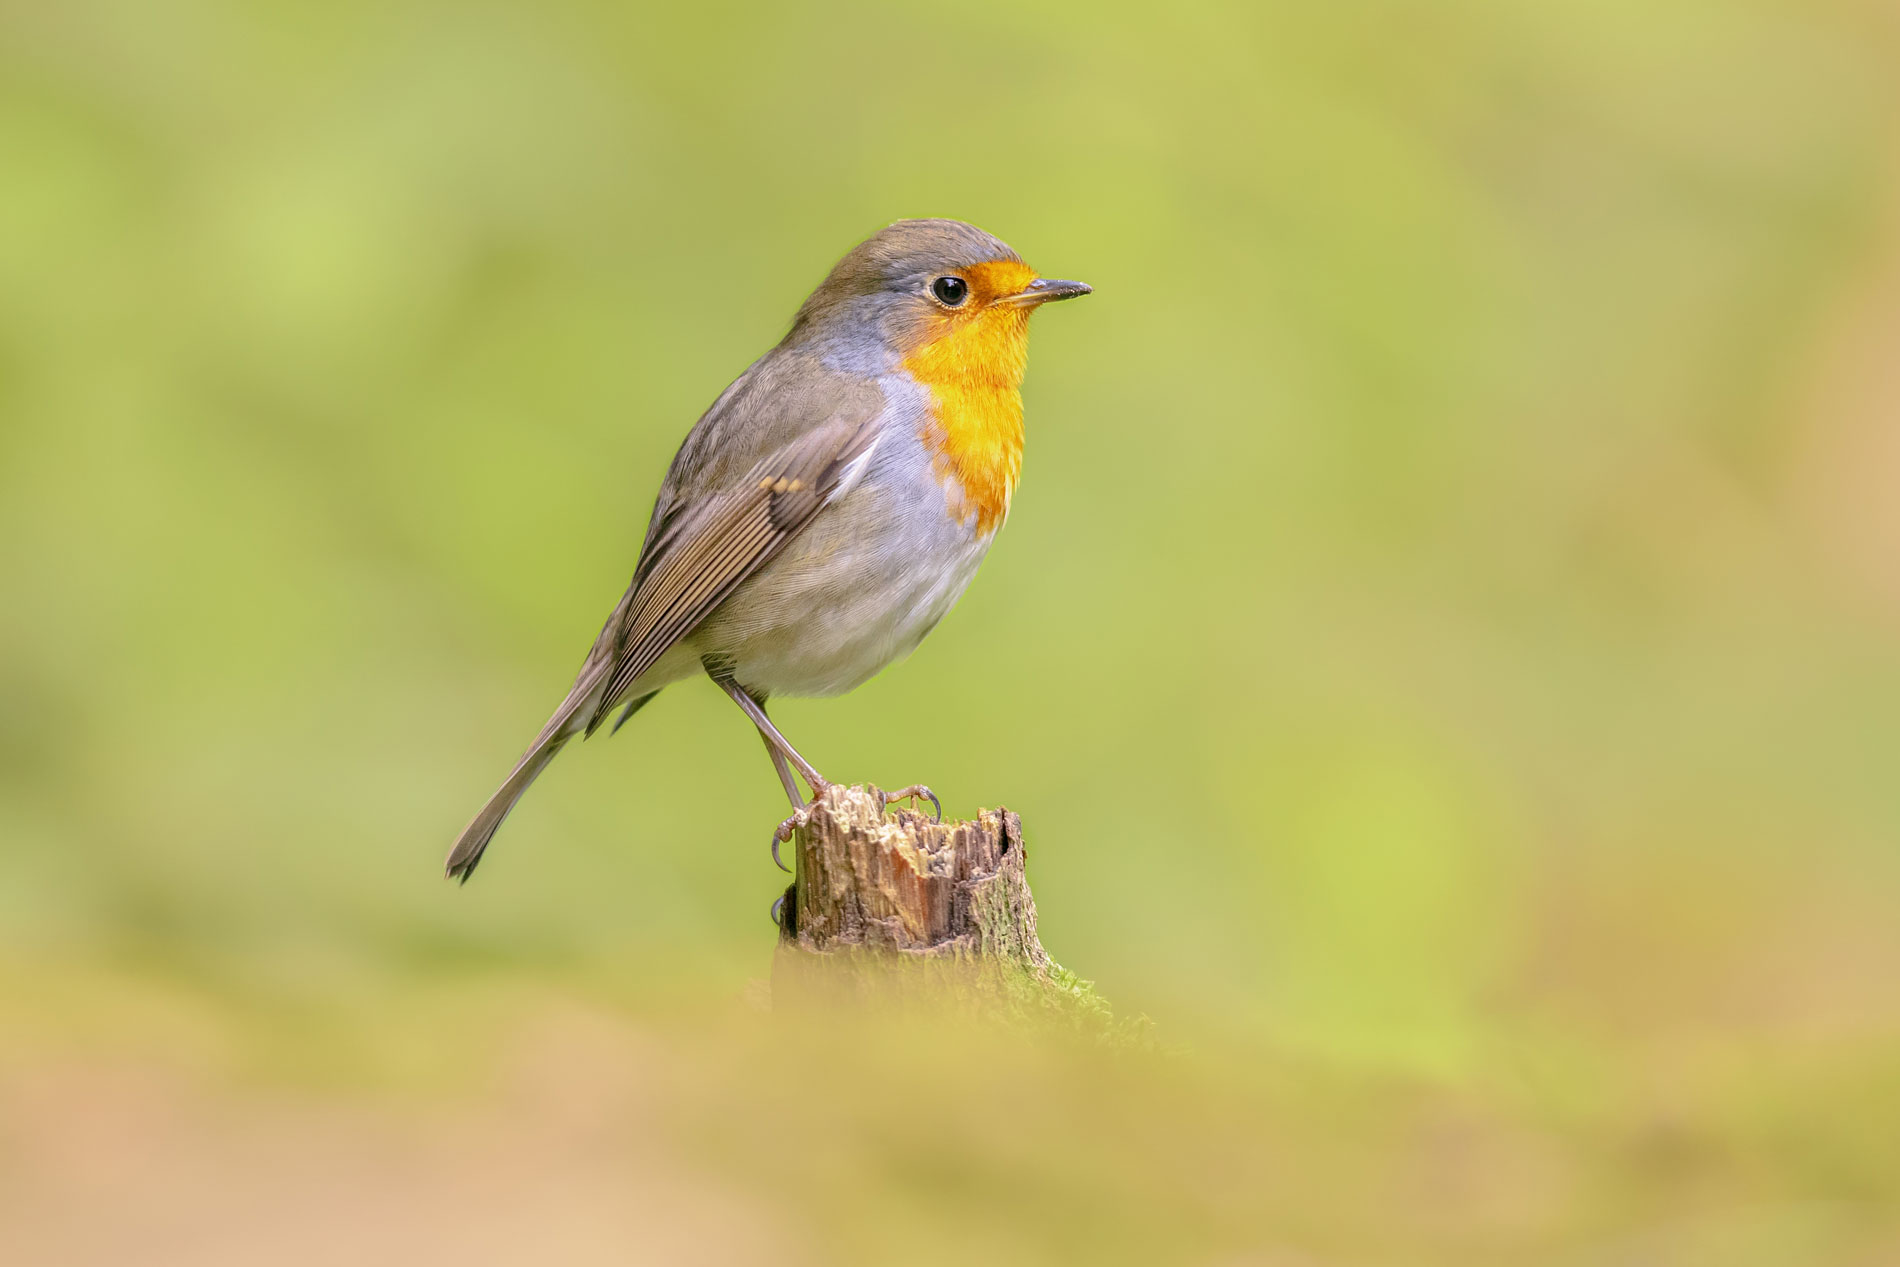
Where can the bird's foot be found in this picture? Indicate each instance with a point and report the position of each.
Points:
(914, 793)
(801, 814)
(784, 831)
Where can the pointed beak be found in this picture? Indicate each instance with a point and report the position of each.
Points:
(1047, 290)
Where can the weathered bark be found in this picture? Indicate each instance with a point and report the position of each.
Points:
(889, 900)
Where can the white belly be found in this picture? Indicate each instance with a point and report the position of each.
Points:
(857, 589)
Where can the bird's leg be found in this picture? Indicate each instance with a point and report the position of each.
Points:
(781, 752)
(780, 833)
(773, 740)
(784, 773)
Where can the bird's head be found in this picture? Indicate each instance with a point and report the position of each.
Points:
(940, 293)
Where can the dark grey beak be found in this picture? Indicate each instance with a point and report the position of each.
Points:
(1047, 290)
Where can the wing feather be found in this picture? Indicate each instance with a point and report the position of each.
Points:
(698, 555)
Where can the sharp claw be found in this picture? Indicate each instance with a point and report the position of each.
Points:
(778, 903)
(783, 832)
(913, 793)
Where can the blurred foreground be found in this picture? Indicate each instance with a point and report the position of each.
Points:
(480, 1123)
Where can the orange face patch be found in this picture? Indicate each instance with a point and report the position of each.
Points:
(972, 359)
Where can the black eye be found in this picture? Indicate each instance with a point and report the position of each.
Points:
(950, 291)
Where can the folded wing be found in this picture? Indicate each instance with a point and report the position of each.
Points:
(700, 552)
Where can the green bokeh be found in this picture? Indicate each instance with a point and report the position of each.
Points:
(1448, 609)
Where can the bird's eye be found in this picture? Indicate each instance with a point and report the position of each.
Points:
(950, 291)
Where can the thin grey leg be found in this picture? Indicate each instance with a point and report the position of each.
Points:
(784, 772)
(773, 739)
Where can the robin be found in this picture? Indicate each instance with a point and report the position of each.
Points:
(829, 508)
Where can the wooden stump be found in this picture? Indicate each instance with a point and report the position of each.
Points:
(887, 900)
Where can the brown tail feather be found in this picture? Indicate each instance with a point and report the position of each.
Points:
(559, 729)
(481, 829)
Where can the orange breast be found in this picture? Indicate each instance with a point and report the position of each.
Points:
(973, 368)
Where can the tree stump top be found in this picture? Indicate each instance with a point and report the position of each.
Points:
(882, 890)
(893, 880)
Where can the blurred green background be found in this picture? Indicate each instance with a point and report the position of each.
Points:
(1443, 648)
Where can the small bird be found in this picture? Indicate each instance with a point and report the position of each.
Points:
(829, 508)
